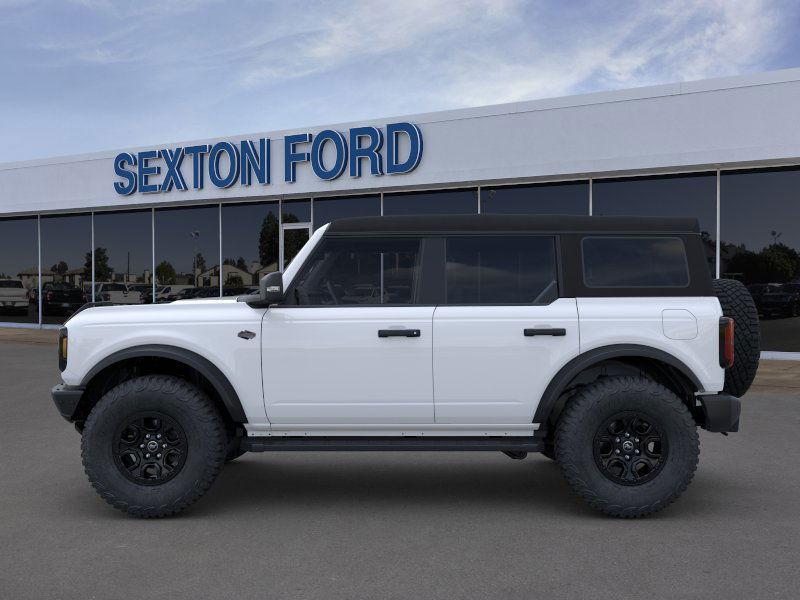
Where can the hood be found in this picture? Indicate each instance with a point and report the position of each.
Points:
(180, 310)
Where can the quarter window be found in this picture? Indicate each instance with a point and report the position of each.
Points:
(634, 262)
(345, 272)
(501, 270)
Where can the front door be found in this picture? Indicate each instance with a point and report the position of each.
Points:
(351, 344)
(502, 332)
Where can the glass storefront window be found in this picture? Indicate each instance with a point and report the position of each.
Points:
(66, 265)
(187, 253)
(329, 209)
(19, 270)
(296, 211)
(442, 202)
(691, 195)
(123, 257)
(567, 198)
(760, 233)
(249, 245)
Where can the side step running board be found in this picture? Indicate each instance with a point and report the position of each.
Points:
(503, 444)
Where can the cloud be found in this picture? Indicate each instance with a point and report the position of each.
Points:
(147, 71)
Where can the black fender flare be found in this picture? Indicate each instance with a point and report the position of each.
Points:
(202, 365)
(592, 357)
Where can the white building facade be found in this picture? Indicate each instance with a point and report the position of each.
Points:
(726, 151)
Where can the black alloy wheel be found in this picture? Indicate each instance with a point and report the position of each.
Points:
(630, 448)
(150, 448)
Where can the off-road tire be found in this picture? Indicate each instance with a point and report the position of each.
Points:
(737, 303)
(587, 411)
(185, 404)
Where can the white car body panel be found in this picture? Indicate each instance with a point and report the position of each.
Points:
(328, 365)
(610, 321)
(487, 371)
(206, 327)
(324, 370)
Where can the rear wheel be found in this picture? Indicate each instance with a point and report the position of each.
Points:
(153, 445)
(627, 445)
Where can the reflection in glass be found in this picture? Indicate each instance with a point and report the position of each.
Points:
(760, 231)
(329, 209)
(293, 242)
(249, 245)
(187, 252)
(66, 265)
(443, 202)
(691, 195)
(501, 270)
(19, 270)
(563, 198)
(639, 261)
(296, 211)
(359, 271)
(123, 260)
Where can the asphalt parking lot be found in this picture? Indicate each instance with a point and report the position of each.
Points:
(393, 525)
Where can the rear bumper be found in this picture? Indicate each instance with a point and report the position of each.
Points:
(66, 399)
(720, 412)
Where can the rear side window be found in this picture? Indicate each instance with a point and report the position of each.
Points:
(358, 271)
(501, 270)
(6, 283)
(634, 262)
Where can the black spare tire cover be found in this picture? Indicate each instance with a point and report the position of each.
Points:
(737, 303)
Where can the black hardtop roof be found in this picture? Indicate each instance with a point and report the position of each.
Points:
(514, 223)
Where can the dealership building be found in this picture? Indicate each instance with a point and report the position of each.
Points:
(218, 214)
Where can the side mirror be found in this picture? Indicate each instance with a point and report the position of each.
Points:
(271, 288)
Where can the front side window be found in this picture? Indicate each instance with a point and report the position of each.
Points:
(356, 271)
(634, 262)
(501, 270)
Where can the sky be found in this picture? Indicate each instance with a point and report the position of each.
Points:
(81, 76)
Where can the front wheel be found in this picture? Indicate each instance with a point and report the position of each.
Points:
(153, 445)
(627, 445)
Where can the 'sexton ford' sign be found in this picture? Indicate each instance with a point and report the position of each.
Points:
(224, 163)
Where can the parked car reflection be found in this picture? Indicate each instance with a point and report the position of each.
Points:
(58, 298)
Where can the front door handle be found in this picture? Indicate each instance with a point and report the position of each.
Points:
(413, 333)
(556, 331)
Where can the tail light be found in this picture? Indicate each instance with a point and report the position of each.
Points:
(726, 326)
(106, 297)
(49, 296)
(62, 348)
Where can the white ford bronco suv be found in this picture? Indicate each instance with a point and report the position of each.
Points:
(601, 342)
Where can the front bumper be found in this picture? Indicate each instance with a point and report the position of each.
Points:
(720, 412)
(66, 398)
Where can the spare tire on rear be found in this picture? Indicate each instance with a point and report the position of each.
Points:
(737, 303)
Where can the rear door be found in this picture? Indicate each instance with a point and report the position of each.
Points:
(352, 344)
(502, 332)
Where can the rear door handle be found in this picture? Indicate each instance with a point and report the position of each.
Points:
(413, 333)
(556, 331)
